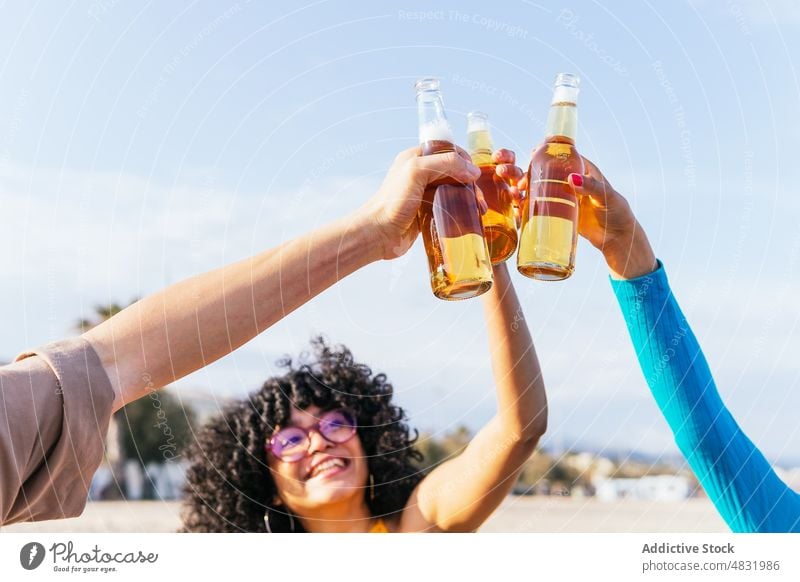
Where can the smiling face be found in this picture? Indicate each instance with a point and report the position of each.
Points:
(329, 474)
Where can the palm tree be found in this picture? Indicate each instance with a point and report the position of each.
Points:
(102, 313)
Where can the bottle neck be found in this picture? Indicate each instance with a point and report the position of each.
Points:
(479, 146)
(562, 121)
(433, 125)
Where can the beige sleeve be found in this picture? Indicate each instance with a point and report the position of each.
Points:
(55, 406)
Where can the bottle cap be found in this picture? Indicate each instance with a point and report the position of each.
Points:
(477, 121)
(566, 88)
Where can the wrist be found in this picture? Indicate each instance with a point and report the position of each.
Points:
(363, 229)
(501, 280)
(631, 256)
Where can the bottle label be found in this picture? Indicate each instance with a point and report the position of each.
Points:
(549, 197)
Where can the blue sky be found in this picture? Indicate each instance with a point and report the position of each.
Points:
(143, 142)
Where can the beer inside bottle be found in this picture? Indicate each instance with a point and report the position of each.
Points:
(449, 218)
(549, 212)
(499, 227)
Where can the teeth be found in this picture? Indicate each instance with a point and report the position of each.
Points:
(326, 465)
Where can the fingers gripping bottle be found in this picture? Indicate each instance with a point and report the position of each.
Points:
(449, 218)
(499, 226)
(549, 213)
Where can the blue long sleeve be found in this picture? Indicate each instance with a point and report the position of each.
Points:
(737, 478)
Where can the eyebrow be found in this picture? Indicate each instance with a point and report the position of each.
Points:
(314, 420)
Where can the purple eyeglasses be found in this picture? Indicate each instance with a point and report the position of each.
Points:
(291, 444)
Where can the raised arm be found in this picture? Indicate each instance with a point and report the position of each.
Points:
(197, 321)
(462, 493)
(735, 475)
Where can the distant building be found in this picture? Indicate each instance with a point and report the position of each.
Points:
(593, 467)
(650, 488)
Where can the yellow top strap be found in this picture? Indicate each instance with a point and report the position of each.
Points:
(379, 527)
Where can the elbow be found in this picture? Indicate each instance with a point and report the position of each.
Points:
(457, 526)
(522, 434)
(530, 433)
(537, 426)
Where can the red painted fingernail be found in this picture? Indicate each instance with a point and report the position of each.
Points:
(576, 179)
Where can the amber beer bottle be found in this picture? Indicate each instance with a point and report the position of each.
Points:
(549, 213)
(499, 227)
(449, 218)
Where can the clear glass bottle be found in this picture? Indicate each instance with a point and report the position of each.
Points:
(449, 218)
(499, 227)
(549, 212)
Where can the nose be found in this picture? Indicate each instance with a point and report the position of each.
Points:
(317, 442)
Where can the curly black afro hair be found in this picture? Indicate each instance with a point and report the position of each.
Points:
(229, 486)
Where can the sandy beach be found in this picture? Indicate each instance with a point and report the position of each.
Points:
(517, 514)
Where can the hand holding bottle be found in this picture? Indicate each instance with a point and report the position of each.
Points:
(607, 221)
(392, 212)
(508, 170)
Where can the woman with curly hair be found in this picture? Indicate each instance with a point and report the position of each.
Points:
(58, 399)
(323, 448)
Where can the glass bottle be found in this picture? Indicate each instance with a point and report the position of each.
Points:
(499, 227)
(549, 212)
(449, 218)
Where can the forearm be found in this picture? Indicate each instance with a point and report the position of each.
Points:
(734, 473)
(521, 399)
(462, 493)
(197, 321)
